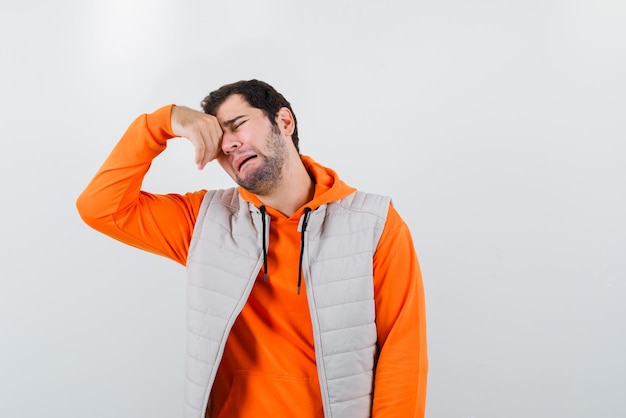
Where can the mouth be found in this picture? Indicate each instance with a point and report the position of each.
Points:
(245, 161)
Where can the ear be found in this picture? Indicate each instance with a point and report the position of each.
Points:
(285, 121)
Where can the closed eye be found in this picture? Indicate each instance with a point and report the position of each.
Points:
(234, 123)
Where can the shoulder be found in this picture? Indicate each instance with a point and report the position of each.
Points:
(360, 201)
(223, 197)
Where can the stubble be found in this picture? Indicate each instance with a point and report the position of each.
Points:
(263, 179)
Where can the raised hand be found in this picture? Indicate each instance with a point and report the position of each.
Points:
(201, 129)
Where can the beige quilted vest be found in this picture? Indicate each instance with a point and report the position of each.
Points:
(225, 256)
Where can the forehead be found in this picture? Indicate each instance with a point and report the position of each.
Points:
(233, 107)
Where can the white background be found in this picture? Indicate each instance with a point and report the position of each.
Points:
(498, 127)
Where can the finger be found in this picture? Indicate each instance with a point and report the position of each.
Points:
(217, 140)
(199, 149)
(205, 151)
(212, 138)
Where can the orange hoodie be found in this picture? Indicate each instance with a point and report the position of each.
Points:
(268, 367)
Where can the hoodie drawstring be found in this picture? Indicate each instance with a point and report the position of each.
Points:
(262, 209)
(302, 231)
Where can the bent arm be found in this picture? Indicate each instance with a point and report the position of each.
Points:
(401, 372)
(114, 204)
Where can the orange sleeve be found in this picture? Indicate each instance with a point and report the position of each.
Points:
(114, 204)
(401, 371)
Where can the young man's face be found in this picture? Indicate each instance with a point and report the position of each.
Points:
(253, 150)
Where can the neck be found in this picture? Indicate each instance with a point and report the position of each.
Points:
(295, 190)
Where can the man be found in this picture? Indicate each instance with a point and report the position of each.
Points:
(304, 295)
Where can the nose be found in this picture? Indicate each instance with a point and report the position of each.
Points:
(230, 143)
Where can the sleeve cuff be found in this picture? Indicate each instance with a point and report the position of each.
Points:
(159, 123)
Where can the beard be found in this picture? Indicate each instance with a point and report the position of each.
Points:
(263, 179)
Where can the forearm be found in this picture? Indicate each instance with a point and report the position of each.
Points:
(117, 184)
(114, 204)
